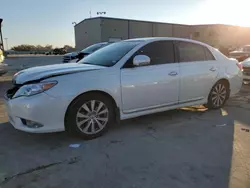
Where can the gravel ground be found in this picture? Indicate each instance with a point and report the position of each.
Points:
(184, 148)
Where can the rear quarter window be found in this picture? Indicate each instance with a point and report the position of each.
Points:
(191, 52)
(209, 55)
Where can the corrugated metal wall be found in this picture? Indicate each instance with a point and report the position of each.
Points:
(111, 28)
(222, 35)
(95, 30)
(87, 33)
(126, 29)
(162, 30)
(140, 29)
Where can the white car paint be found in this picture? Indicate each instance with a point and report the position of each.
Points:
(136, 91)
(246, 69)
(3, 68)
(134, 83)
(36, 73)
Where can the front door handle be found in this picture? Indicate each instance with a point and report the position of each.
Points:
(173, 73)
(212, 69)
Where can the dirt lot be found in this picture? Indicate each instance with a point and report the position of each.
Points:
(184, 148)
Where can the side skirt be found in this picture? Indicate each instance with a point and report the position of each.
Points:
(133, 114)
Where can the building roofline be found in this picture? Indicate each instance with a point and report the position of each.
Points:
(219, 25)
(123, 19)
(87, 19)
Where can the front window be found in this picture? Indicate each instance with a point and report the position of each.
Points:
(111, 54)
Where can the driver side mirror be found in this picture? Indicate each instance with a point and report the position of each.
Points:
(141, 60)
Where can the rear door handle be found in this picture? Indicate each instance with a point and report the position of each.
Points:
(173, 73)
(212, 69)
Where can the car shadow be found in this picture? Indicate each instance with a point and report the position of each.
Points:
(187, 147)
(179, 148)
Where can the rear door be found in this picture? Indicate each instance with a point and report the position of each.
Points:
(151, 86)
(198, 71)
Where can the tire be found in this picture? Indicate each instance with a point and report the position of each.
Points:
(218, 95)
(90, 115)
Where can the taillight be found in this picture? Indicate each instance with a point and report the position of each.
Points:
(240, 66)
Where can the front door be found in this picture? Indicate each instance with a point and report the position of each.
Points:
(152, 86)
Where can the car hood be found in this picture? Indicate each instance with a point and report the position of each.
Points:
(43, 72)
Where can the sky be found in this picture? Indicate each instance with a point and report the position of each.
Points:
(50, 21)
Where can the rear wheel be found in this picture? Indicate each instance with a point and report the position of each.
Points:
(218, 95)
(90, 116)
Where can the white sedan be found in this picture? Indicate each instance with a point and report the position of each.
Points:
(246, 70)
(120, 81)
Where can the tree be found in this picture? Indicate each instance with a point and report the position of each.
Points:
(24, 47)
(39, 47)
(68, 48)
(27, 47)
(48, 47)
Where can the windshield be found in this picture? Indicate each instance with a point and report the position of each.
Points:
(111, 54)
(93, 48)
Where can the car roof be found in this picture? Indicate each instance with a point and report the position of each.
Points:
(152, 39)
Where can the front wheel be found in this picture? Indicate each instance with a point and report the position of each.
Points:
(218, 95)
(90, 116)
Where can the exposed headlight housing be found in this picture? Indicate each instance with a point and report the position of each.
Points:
(33, 89)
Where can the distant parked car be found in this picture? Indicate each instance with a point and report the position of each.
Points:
(3, 68)
(77, 56)
(241, 54)
(246, 69)
(49, 53)
(68, 57)
(123, 80)
(1, 56)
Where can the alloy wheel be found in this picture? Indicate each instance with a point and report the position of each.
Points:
(92, 117)
(219, 95)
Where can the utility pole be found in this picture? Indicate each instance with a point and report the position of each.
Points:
(74, 23)
(1, 37)
(6, 41)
